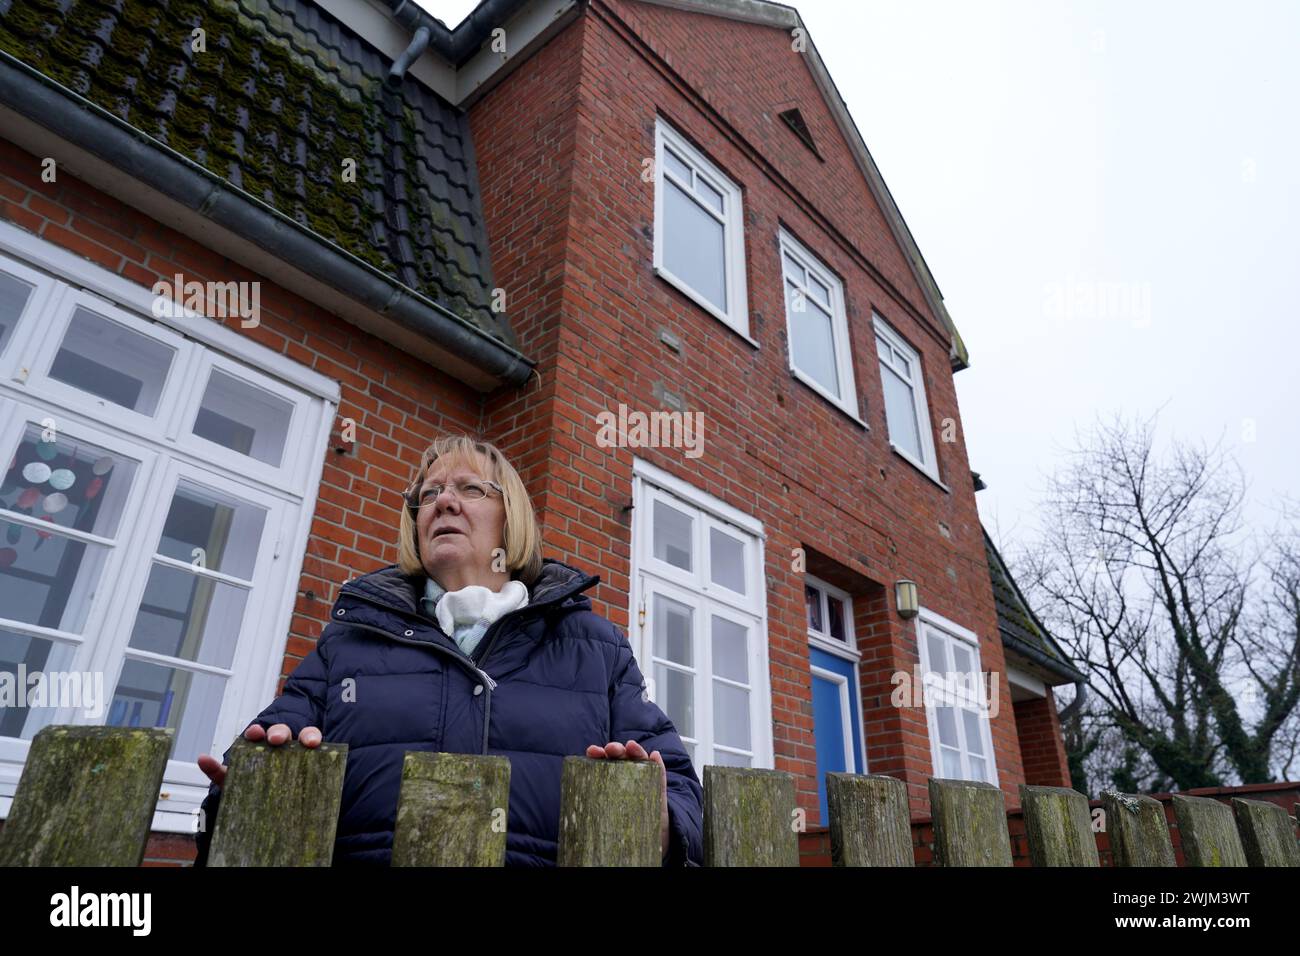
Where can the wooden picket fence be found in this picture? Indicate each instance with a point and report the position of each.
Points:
(87, 798)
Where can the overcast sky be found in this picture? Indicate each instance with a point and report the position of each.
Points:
(1108, 194)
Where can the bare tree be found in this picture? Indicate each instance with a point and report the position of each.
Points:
(1144, 574)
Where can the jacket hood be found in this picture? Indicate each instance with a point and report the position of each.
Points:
(558, 584)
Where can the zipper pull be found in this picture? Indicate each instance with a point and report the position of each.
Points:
(487, 678)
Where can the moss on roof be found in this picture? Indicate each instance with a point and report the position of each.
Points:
(277, 103)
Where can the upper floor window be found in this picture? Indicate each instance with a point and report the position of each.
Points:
(906, 411)
(699, 231)
(818, 329)
(957, 701)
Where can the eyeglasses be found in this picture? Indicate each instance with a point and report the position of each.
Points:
(471, 489)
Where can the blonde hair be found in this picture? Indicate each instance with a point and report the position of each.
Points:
(523, 537)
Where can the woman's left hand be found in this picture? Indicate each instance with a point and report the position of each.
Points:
(634, 751)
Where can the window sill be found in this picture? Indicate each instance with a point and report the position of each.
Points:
(833, 647)
(703, 303)
(918, 466)
(822, 394)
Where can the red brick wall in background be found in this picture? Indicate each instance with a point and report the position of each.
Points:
(1041, 746)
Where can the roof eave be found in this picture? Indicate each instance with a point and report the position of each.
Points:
(462, 348)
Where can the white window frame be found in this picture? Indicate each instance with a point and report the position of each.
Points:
(928, 463)
(847, 400)
(650, 576)
(736, 316)
(953, 632)
(823, 639)
(61, 277)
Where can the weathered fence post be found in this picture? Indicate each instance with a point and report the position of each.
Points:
(750, 817)
(1139, 834)
(279, 805)
(610, 813)
(86, 796)
(1058, 827)
(1209, 834)
(870, 821)
(1267, 833)
(452, 810)
(970, 824)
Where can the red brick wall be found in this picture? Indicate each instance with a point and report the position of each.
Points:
(560, 147)
(1041, 746)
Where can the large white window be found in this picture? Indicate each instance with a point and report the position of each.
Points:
(906, 411)
(699, 229)
(956, 700)
(700, 624)
(157, 480)
(817, 329)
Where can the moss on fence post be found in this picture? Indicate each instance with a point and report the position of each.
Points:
(1139, 834)
(750, 817)
(1209, 834)
(279, 805)
(970, 824)
(610, 812)
(870, 820)
(86, 797)
(1058, 827)
(452, 810)
(1267, 833)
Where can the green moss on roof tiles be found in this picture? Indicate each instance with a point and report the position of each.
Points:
(281, 97)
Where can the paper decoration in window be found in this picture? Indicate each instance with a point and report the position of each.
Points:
(37, 472)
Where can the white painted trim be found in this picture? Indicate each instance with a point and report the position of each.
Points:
(1026, 681)
(736, 316)
(647, 480)
(924, 426)
(77, 271)
(847, 402)
(955, 631)
(846, 716)
(701, 499)
(849, 649)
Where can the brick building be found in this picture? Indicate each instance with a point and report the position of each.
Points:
(557, 216)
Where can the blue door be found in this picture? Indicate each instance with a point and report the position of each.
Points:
(837, 722)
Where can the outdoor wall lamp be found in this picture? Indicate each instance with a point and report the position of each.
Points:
(905, 595)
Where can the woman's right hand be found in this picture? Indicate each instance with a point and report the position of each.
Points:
(275, 736)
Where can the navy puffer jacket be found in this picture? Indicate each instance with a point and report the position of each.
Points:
(544, 682)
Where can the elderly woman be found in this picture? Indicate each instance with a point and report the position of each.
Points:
(473, 643)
